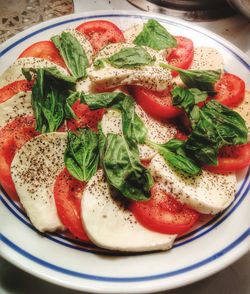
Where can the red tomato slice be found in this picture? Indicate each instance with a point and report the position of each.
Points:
(163, 213)
(101, 33)
(230, 90)
(86, 117)
(181, 56)
(46, 50)
(12, 137)
(68, 193)
(157, 104)
(232, 159)
(12, 89)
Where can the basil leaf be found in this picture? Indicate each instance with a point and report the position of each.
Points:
(123, 169)
(49, 94)
(231, 127)
(72, 53)
(132, 57)
(199, 96)
(99, 63)
(82, 156)
(186, 99)
(70, 100)
(173, 153)
(132, 125)
(154, 35)
(47, 103)
(202, 79)
(102, 100)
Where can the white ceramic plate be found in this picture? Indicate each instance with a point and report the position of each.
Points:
(215, 244)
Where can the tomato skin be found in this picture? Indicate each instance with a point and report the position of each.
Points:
(14, 88)
(230, 90)
(46, 50)
(68, 193)
(86, 117)
(101, 33)
(158, 104)
(163, 213)
(12, 137)
(231, 159)
(181, 56)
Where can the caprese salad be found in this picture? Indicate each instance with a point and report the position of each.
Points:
(123, 138)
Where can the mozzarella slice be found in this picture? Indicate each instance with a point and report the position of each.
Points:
(34, 170)
(17, 105)
(85, 86)
(150, 76)
(207, 193)
(83, 41)
(158, 132)
(14, 72)
(110, 225)
(244, 110)
(205, 58)
(132, 32)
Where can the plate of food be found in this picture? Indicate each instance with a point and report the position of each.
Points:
(124, 153)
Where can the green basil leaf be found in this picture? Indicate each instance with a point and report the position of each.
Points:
(132, 57)
(132, 125)
(154, 35)
(173, 153)
(82, 155)
(123, 169)
(201, 79)
(70, 100)
(230, 126)
(49, 94)
(204, 80)
(72, 53)
(183, 98)
(102, 100)
(99, 63)
(199, 96)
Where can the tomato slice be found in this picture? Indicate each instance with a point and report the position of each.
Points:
(12, 89)
(158, 104)
(181, 56)
(68, 193)
(46, 50)
(230, 90)
(12, 137)
(86, 117)
(101, 33)
(232, 159)
(163, 213)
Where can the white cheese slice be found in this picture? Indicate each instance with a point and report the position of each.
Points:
(110, 225)
(83, 41)
(34, 170)
(158, 132)
(205, 58)
(207, 193)
(150, 76)
(14, 72)
(18, 105)
(85, 86)
(132, 32)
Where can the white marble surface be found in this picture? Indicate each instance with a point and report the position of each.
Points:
(233, 280)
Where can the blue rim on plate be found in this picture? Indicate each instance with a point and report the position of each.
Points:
(216, 221)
